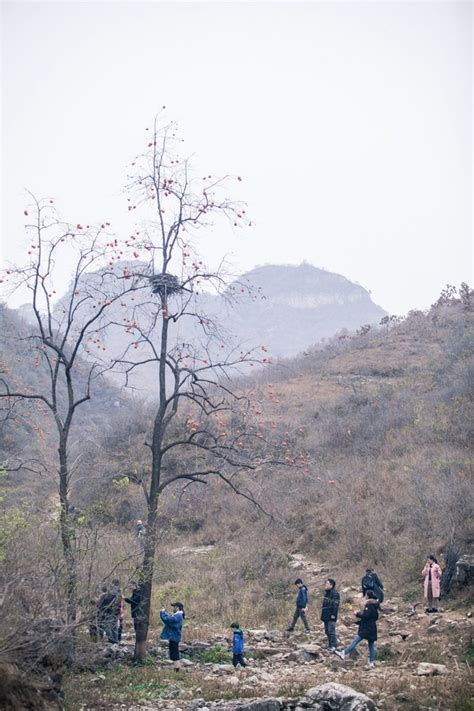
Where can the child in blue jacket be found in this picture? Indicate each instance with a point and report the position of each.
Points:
(237, 645)
(172, 630)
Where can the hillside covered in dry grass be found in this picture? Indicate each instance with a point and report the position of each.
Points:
(376, 468)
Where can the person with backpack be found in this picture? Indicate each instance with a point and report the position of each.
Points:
(432, 586)
(237, 646)
(371, 581)
(367, 629)
(301, 606)
(329, 612)
(173, 625)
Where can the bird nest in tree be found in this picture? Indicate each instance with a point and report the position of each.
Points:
(165, 284)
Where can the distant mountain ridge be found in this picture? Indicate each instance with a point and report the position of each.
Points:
(301, 305)
(286, 308)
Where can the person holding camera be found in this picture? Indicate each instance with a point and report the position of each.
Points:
(432, 586)
(173, 625)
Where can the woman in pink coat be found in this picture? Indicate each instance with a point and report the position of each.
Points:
(432, 573)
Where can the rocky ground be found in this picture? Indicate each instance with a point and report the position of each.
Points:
(420, 665)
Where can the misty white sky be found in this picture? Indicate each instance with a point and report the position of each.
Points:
(350, 123)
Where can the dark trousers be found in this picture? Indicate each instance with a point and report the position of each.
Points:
(238, 659)
(173, 648)
(330, 630)
(299, 613)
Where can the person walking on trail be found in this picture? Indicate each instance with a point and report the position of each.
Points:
(329, 612)
(432, 587)
(301, 606)
(371, 581)
(367, 629)
(173, 625)
(135, 602)
(237, 646)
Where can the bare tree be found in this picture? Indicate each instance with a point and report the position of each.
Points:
(204, 426)
(65, 340)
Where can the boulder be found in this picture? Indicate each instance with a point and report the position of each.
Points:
(268, 704)
(427, 669)
(465, 570)
(336, 697)
(404, 634)
(265, 704)
(265, 651)
(310, 652)
(26, 691)
(197, 705)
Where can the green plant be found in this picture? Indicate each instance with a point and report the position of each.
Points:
(386, 653)
(217, 654)
(152, 689)
(468, 654)
(411, 594)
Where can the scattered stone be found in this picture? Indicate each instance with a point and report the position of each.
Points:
(197, 705)
(191, 550)
(427, 669)
(264, 651)
(269, 704)
(404, 634)
(337, 697)
(98, 679)
(310, 652)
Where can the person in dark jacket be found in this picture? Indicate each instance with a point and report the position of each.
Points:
(237, 645)
(301, 606)
(116, 590)
(135, 602)
(173, 625)
(329, 612)
(371, 581)
(107, 615)
(367, 629)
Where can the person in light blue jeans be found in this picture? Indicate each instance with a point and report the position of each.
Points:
(367, 629)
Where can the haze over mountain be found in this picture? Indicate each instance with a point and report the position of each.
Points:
(286, 308)
(299, 306)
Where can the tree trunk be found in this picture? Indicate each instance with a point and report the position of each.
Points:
(141, 633)
(67, 538)
(146, 579)
(146, 576)
(148, 566)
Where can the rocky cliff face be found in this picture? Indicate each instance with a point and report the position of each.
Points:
(298, 306)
